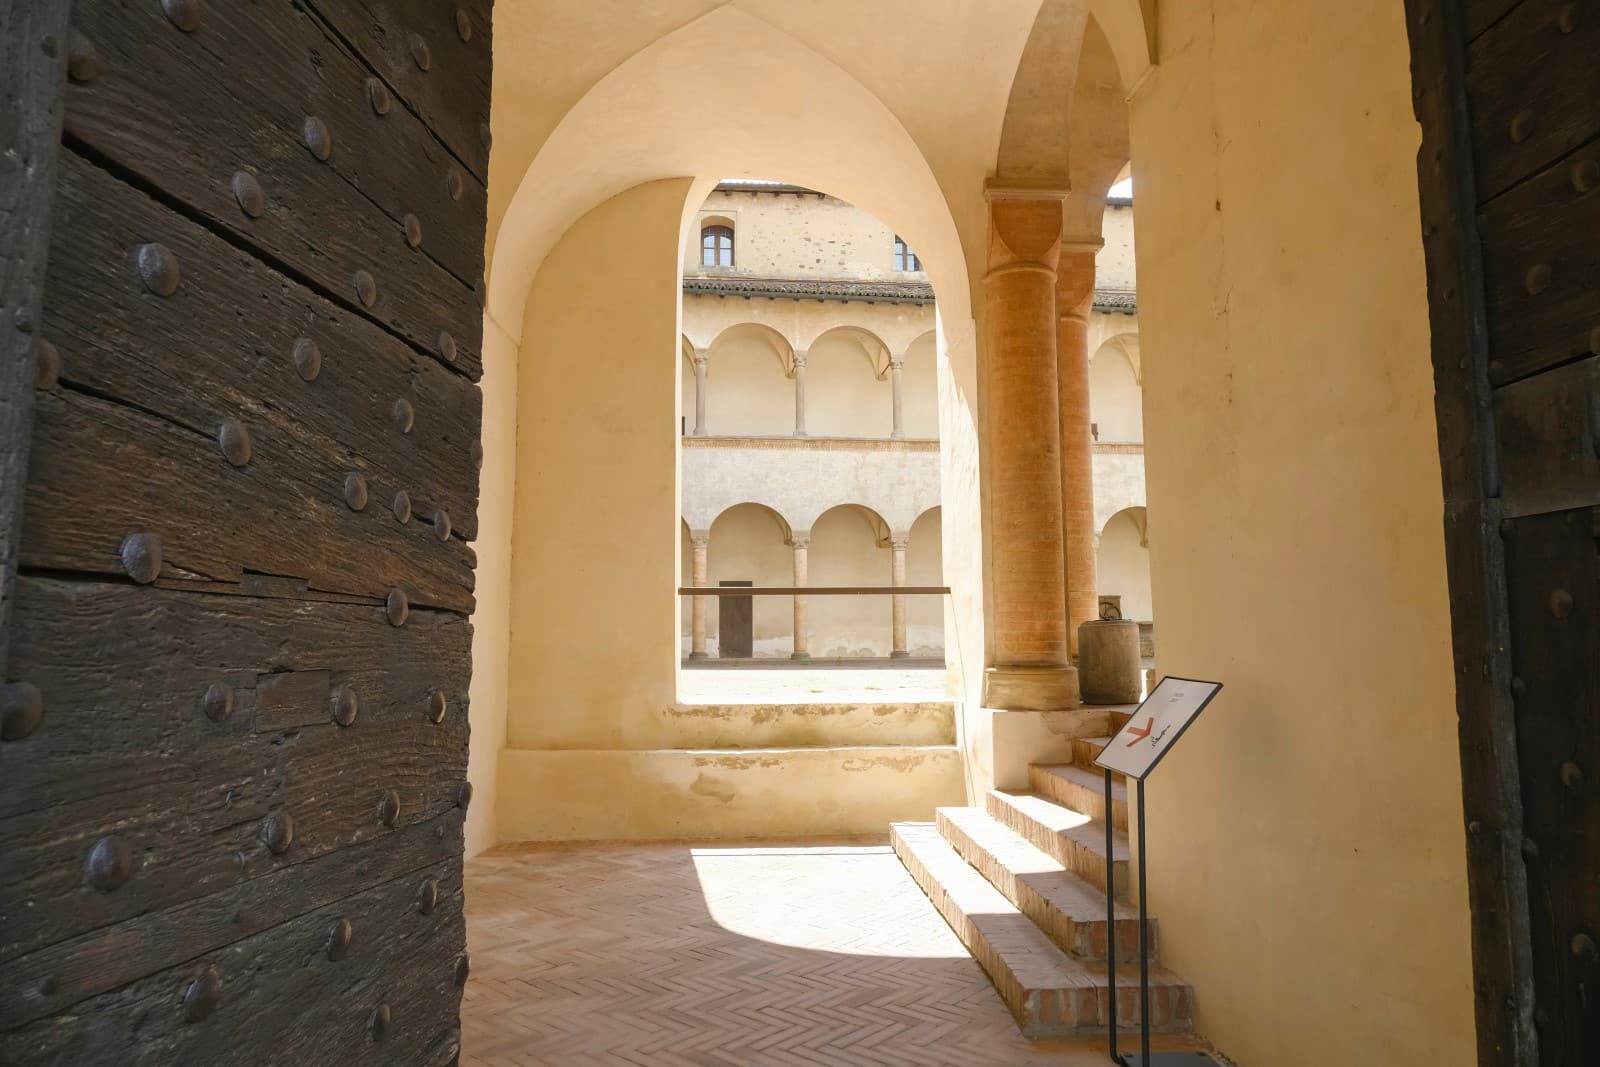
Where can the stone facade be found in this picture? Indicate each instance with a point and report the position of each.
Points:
(809, 384)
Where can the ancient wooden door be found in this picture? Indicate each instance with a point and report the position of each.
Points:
(735, 625)
(1508, 94)
(240, 319)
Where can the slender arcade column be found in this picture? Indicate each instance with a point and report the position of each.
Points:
(802, 643)
(800, 392)
(897, 366)
(1031, 669)
(1074, 301)
(700, 358)
(897, 578)
(697, 607)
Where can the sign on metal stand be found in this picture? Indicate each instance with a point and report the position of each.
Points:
(1135, 751)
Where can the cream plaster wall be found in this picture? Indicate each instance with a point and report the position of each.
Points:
(491, 622)
(1307, 853)
(925, 566)
(1114, 265)
(1116, 407)
(802, 478)
(797, 235)
(1122, 563)
(595, 552)
(750, 543)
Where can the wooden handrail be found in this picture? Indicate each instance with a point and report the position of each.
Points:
(814, 590)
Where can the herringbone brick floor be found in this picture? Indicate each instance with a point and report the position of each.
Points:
(814, 954)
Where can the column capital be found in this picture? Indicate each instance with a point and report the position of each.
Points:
(1075, 284)
(700, 538)
(800, 354)
(897, 362)
(899, 541)
(701, 356)
(800, 539)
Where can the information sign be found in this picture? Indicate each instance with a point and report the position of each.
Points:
(1156, 726)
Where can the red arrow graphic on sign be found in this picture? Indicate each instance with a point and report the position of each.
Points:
(1138, 734)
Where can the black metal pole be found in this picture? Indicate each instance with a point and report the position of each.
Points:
(1111, 924)
(1144, 948)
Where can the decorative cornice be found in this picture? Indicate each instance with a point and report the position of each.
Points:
(1116, 301)
(796, 289)
(1113, 301)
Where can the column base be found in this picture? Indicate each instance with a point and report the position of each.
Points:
(699, 655)
(899, 654)
(1030, 688)
(800, 657)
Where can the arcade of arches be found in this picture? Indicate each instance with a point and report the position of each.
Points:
(1306, 855)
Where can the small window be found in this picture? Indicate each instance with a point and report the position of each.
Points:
(716, 246)
(904, 258)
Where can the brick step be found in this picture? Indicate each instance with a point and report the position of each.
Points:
(1082, 790)
(1047, 991)
(1069, 837)
(1068, 909)
(1085, 749)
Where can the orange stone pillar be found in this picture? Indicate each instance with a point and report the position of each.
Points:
(1074, 301)
(1032, 669)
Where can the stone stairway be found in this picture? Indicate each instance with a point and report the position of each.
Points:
(1022, 882)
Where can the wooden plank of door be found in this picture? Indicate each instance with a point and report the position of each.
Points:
(34, 53)
(1554, 576)
(1491, 796)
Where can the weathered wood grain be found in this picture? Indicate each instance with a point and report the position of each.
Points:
(199, 824)
(33, 65)
(102, 471)
(1554, 576)
(1534, 91)
(1549, 430)
(187, 111)
(452, 38)
(282, 1000)
(225, 344)
(157, 905)
(1491, 798)
(123, 671)
(103, 959)
(1542, 269)
(1481, 14)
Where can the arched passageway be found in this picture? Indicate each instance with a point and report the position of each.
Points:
(1124, 558)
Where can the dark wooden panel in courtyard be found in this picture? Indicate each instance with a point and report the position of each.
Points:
(1509, 100)
(735, 624)
(244, 270)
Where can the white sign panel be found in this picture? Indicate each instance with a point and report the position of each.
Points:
(1156, 726)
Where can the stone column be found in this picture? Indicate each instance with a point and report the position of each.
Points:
(697, 607)
(802, 650)
(897, 366)
(700, 358)
(1074, 301)
(800, 392)
(897, 578)
(1031, 665)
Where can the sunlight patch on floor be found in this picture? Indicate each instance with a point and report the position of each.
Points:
(815, 897)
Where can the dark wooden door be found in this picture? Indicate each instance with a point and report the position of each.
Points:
(735, 625)
(1508, 94)
(242, 249)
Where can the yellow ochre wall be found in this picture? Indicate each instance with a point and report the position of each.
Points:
(1307, 854)
(595, 540)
